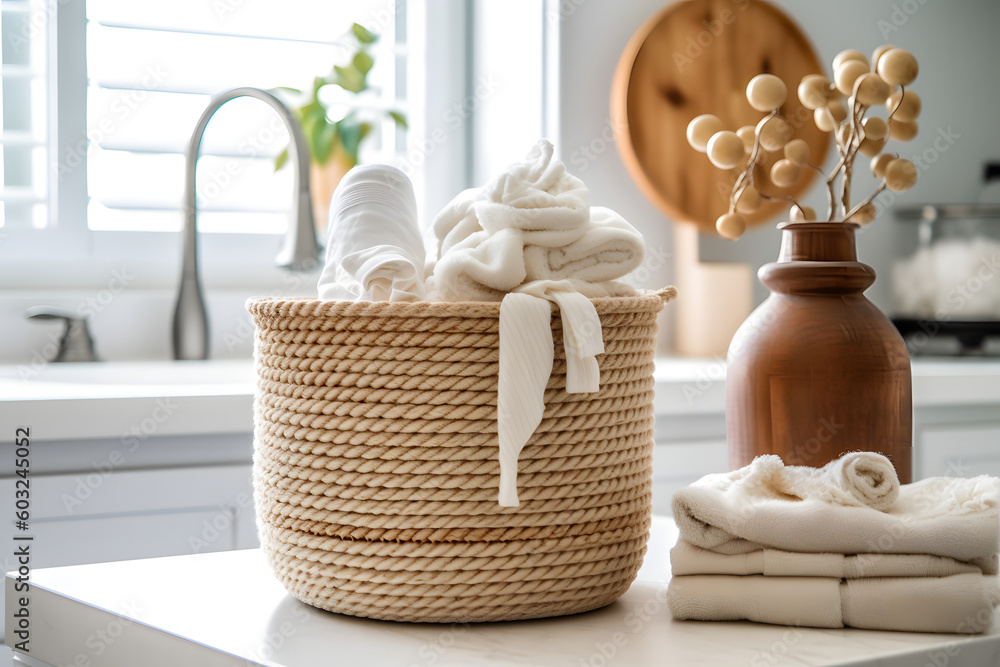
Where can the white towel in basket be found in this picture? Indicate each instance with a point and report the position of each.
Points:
(526, 356)
(608, 249)
(374, 249)
(529, 238)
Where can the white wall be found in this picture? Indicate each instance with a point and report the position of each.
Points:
(955, 42)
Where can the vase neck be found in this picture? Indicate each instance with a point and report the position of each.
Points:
(818, 242)
(817, 258)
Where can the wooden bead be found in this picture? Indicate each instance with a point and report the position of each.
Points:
(774, 133)
(903, 130)
(725, 149)
(824, 119)
(784, 173)
(847, 73)
(766, 92)
(900, 175)
(797, 150)
(878, 53)
(879, 163)
(875, 128)
(749, 200)
(898, 67)
(863, 215)
(802, 213)
(838, 110)
(731, 226)
(871, 89)
(746, 135)
(909, 107)
(848, 54)
(701, 129)
(871, 147)
(814, 91)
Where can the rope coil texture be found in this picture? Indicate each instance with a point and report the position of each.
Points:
(376, 462)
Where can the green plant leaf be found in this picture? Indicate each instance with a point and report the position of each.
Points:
(280, 161)
(364, 35)
(323, 141)
(365, 129)
(399, 118)
(312, 125)
(311, 115)
(350, 136)
(288, 89)
(349, 79)
(318, 82)
(362, 62)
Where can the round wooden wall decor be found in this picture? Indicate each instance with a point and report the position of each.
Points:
(695, 57)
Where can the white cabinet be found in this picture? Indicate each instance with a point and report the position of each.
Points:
(958, 450)
(89, 517)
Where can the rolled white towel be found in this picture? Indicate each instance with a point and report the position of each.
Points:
(869, 477)
(374, 249)
(855, 479)
(608, 249)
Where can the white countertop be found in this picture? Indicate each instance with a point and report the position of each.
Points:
(227, 609)
(73, 401)
(104, 400)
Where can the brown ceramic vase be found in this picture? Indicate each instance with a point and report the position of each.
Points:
(817, 370)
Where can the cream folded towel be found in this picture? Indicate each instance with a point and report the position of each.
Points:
(740, 512)
(687, 559)
(374, 249)
(961, 603)
(608, 249)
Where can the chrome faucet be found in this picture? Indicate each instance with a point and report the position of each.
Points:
(299, 251)
(75, 344)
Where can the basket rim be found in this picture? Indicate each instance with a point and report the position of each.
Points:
(644, 301)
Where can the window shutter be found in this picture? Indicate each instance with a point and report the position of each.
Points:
(24, 29)
(152, 69)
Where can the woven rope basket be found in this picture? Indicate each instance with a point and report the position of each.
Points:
(376, 462)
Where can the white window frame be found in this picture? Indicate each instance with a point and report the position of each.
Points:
(68, 255)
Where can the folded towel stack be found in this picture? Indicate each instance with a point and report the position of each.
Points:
(842, 545)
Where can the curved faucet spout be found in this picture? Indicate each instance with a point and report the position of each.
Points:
(299, 251)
